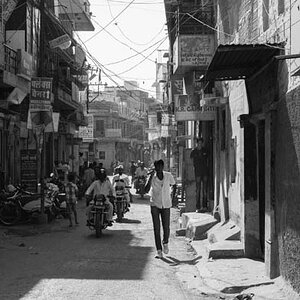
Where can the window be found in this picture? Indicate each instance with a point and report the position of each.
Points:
(101, 154)
(100, 127)
(265, 14)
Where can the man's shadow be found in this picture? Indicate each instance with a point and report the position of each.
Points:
(173, 262)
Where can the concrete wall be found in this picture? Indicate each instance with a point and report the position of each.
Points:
(287, 166)
(237, 106)
(253, 22)
(109, 149)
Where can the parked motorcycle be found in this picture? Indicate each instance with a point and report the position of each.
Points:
(140, 185)
(121, 205)
(98, 220)
(21, 205)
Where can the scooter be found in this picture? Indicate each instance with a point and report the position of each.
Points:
(98, 220)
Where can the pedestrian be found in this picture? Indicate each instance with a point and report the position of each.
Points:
(71, 198)
(159, 185)
(88, 176)
(81, 164)
(199, 156)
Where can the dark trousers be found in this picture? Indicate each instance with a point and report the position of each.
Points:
(201, 191)
(164, 215)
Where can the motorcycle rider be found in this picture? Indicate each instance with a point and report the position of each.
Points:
(116, 182)
(141, 172)
(101, 186)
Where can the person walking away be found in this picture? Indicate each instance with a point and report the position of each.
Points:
(199, 156)
(116, 182)
(101, 186)
(159, 184)
(71, 198)
(88, 176)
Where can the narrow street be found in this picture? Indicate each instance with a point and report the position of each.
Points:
(53, 261)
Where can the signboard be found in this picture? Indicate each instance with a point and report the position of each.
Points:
(87, 132)
(25, 64)
(29, 169)
(40, 100)
(193, 51)
(186, 110)
(113, 133)
(62, 41)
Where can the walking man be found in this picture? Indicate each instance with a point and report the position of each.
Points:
(199, 156)
(159, 184)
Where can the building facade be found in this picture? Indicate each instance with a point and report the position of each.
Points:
(39, 57)
(253, 71)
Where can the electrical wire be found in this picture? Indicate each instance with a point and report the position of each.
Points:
(109, 22)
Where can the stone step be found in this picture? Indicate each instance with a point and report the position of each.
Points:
(225, 249)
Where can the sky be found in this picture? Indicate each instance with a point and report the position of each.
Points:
(126, 40)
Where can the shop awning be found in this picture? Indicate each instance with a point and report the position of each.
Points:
(234, 62)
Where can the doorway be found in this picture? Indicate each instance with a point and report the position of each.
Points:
(261, 182)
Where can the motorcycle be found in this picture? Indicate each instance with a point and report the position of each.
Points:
(98, 220)
(140, 185)
(121, 205)
(21, 205)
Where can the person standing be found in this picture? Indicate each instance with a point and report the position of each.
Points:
(199, 156)
(159, 185)
(71, 198)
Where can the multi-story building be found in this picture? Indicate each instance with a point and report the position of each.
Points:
(118, 118)
(253, 71)
(37, 40)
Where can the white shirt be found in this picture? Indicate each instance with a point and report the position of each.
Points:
(97, 188)
(140, 172)
(160, 191)
(124, 177)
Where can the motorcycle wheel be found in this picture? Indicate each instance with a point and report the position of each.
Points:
(98, 225)
(119, 212)
(10, 214)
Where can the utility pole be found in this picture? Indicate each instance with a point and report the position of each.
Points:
(41, 141)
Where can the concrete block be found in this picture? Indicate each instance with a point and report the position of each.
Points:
(181, 232)
(198, 225)
(224, 231)
(192, 216)
(225, 249)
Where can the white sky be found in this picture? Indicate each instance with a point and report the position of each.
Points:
(139, 27)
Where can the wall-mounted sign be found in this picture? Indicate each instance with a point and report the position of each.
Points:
(193, 51)
(186, 110)
(87, 132)
(40, 100)
(29, 169)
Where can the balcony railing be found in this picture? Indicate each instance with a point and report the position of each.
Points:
(10, 60)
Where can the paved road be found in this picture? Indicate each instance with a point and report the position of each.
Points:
(53, 261)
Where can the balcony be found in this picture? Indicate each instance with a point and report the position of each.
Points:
(77, 11)
(10, 60)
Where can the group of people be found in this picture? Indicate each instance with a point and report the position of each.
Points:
(160, 185)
